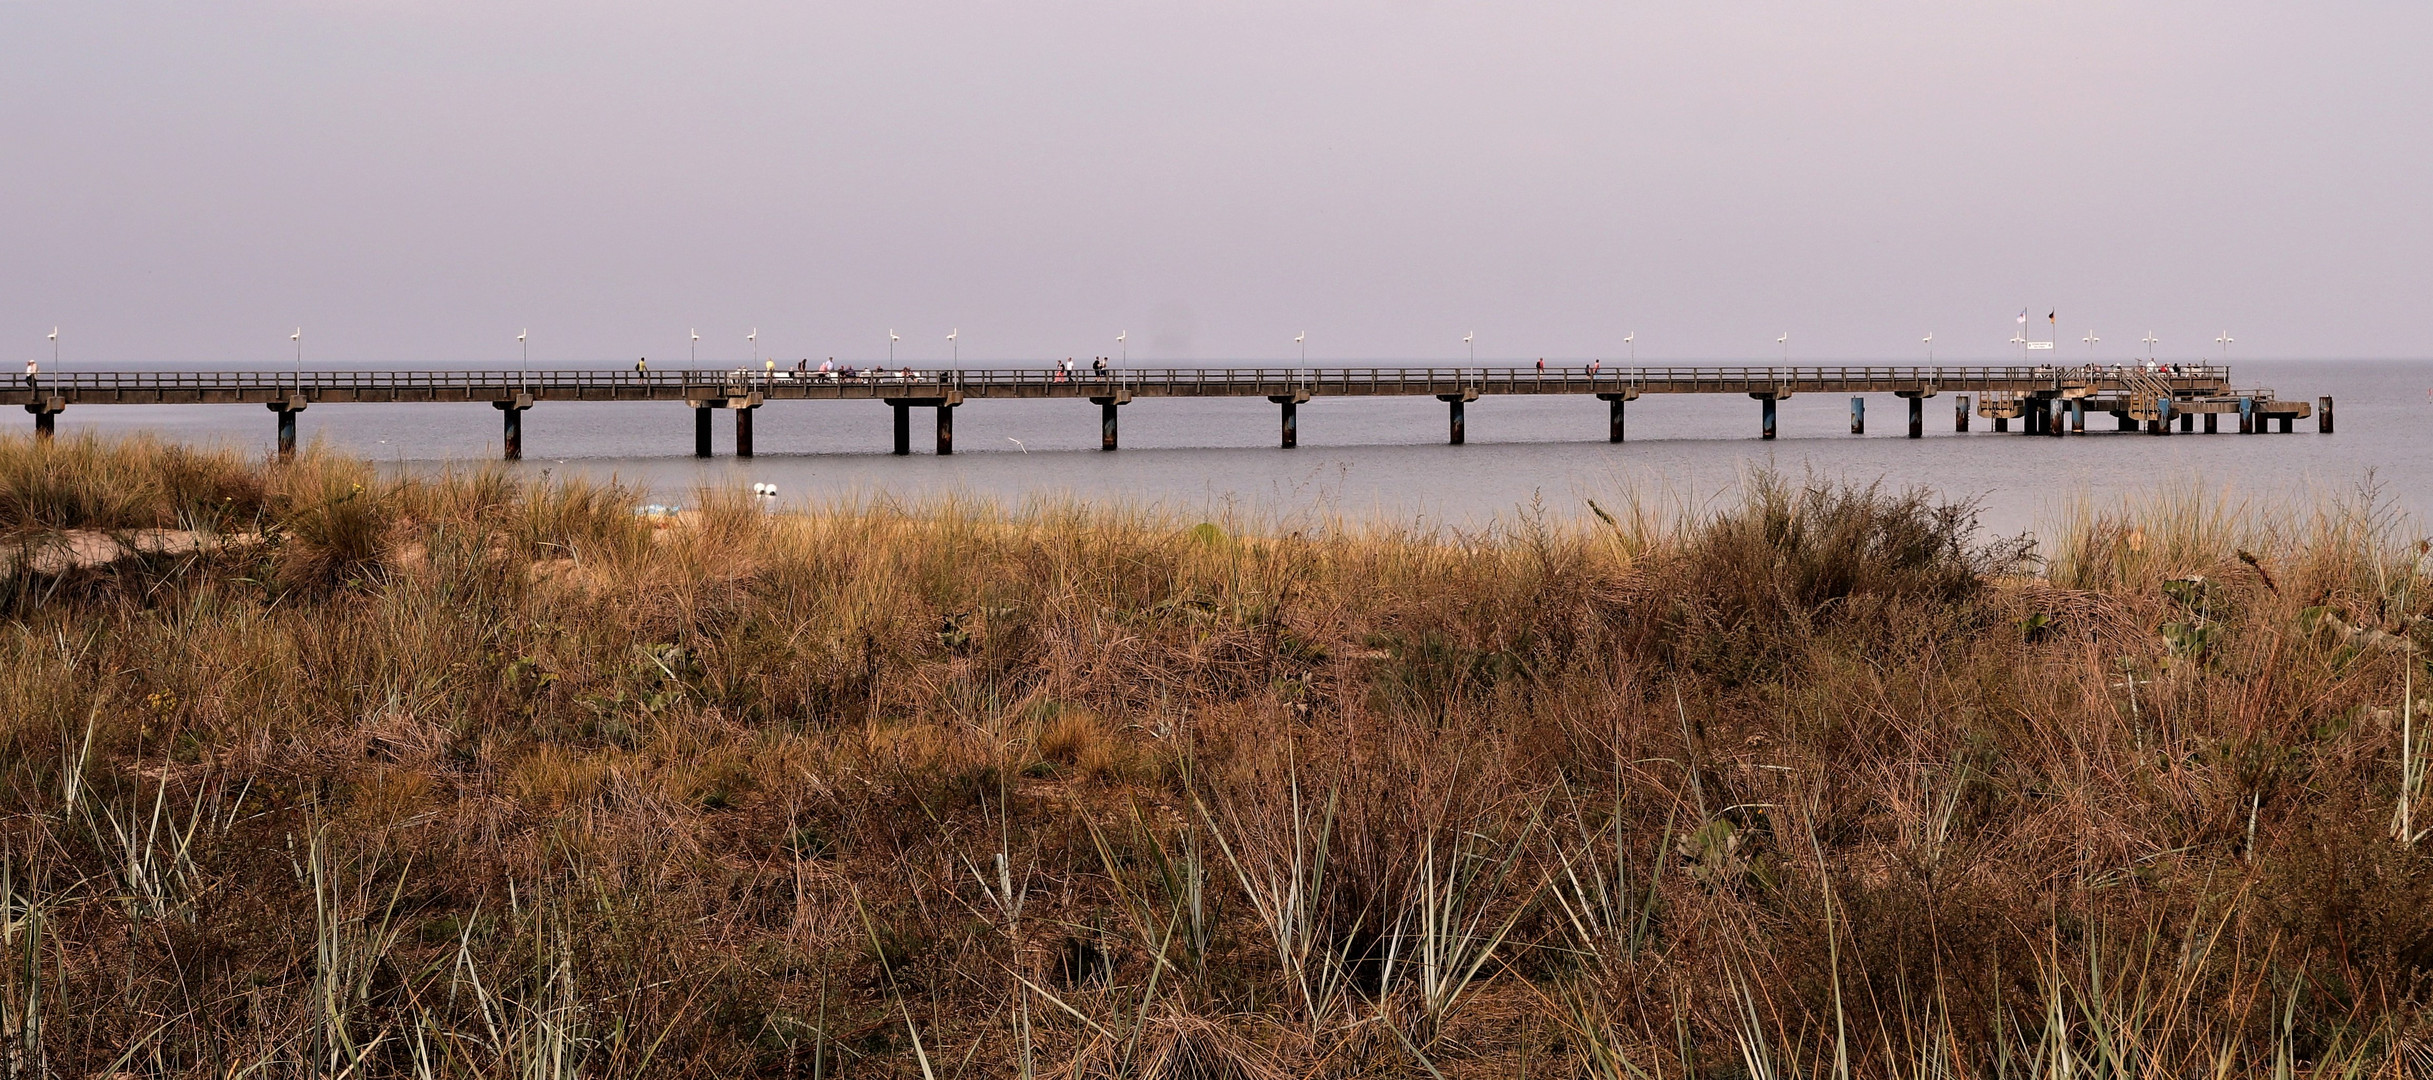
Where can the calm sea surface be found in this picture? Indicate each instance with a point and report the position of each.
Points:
(1386, 458)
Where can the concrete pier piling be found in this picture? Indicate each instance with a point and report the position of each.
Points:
(46, 412)
(1107, 405)
(287, 408)
(701, 429)
(743, 429)
(1290, 433)
(946, 429)
(1459, 421)
(511, 425)
(1959, 414)
(2323, 415)
(903, 427)
(1765, 415)
(1858, 416)
(1616, 414)
(1917, 415)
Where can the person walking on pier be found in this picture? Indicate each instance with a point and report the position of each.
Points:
(642, 368)
(1541, 365)
(1593, 365)
(33, 368)
(1098, 366)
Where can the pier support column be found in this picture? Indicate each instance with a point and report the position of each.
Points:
(743, 429)
(1765, 413)
(1616, 414)
(46, 416)
(1858, 415)
(2078, 416)
(2054, 422)
(946, 429)
(2187, 422)
(2002, 424)
(2247, 416)
(2162, 416)
(1291, 406)
(2288, 423)
(511, 419)
(1460, 423)
(1917, 415)
(903, 428)
(2323, 415)
(2032, 414)
(1106, 417)
(701, 428)
(1959, 414)
(287, 408)
(2123, 421)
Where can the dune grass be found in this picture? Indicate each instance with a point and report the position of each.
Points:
(484, 774)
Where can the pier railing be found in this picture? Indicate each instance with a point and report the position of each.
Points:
(579, 383)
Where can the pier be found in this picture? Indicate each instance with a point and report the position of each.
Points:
(2043, 400)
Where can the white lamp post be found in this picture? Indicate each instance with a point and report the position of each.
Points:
(891, 340)
(1123, 351)
(2150, 339)
(2090, 339)
(1930, 348)
(2224, 341)
(1302, 339)
(696, 361)
(1467, 341)
(951, 335)
(754, 338)
(1632, 339)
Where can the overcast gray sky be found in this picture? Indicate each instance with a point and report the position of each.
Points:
(417, 180)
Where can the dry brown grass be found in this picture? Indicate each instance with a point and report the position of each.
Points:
(475, 775)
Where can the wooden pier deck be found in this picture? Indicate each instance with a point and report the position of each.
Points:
(2045, 399)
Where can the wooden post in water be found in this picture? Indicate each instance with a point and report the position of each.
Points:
(946, 429)
(2323, 415)
(701, 428)
(743, 428)
(1858, 415)
(903, 427)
